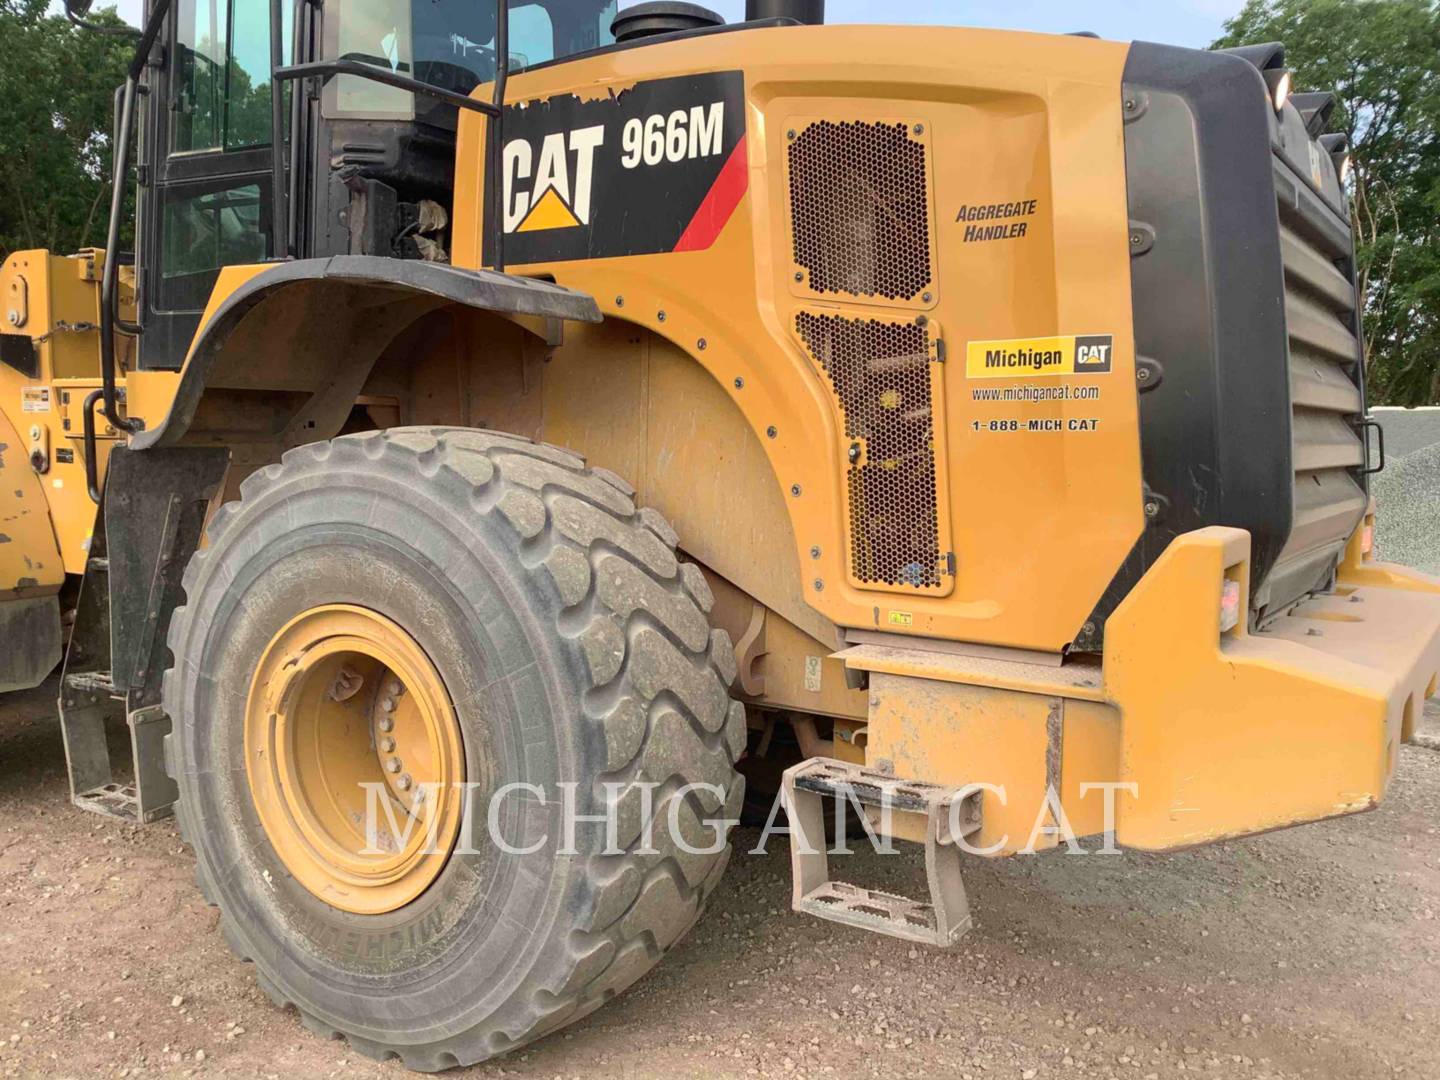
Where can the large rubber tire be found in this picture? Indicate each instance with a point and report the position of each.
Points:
(575, 647)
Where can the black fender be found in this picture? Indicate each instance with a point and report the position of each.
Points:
(297, 340)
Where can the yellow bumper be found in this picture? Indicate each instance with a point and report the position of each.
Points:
(1235, 733)
(1218, 734)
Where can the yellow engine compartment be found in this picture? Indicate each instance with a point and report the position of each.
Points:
(1045, 513)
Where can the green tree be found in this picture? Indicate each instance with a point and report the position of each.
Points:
(1381, 58)
(57, 86)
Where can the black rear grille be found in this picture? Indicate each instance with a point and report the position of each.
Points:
(1324, 362)
(1249, 316)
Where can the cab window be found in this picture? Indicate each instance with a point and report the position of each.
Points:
(206, 226)
(221, 96)
(451, 44)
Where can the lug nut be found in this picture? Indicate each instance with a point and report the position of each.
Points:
(404, 782)
(394, 689)
(393, 765)
(388, 704)
(386, 724)
(387, 744)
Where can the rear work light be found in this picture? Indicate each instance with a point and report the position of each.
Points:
(1229, 606)
(1279, 81)
(1343, 167)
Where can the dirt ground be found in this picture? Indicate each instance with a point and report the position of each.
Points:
(1313, 952)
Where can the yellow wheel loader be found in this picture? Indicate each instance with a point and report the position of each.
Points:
(514, 416)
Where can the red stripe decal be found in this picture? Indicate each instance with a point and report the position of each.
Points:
(720, 202)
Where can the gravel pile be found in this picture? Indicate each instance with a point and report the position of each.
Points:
(1407, 493)
(1408, 430)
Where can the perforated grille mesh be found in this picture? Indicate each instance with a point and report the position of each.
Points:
(860, 209)
(880, 372)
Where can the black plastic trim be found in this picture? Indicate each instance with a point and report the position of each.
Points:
(1209, 306)
(18, 351)
(483, 289)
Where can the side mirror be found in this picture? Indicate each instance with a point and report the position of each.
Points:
(78, 9)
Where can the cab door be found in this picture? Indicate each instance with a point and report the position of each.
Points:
(208, 202)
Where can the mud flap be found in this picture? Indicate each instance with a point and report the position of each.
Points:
(30, 629)
(154, 511)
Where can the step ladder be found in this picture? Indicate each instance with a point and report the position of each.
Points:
(948, 813)
(89, 696)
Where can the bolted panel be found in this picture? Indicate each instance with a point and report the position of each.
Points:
(885, 376)
(860, 210)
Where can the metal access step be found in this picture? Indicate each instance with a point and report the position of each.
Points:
(948, 815)
(92, 784)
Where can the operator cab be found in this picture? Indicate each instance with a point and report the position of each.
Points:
(369, 167)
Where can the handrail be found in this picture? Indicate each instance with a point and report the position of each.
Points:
(298, 127)
(1363, 427)
(328, 69)
(87, 414)
(109, 279)
(495, 135)
(279, 219)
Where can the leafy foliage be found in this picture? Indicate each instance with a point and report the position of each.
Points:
(57, 86)
(1382, 60)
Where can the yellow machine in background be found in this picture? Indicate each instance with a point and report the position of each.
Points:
(985, 407)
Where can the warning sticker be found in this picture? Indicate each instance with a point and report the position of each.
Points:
(1026, 357)
(813, 672)
(35, 399)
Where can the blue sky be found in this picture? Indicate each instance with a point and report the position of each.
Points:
(1195, 23)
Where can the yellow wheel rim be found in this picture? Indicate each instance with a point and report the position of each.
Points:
(354, 758)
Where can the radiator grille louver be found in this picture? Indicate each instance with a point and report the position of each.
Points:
(1325, 399)
(880, 373)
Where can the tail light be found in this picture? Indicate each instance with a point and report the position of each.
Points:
(1229, 605)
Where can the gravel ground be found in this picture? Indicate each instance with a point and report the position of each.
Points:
(1313, 952)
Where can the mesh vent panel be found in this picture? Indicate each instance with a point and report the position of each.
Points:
(859, 206)
(880, 372)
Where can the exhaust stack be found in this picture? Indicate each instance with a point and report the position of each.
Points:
(805, 11)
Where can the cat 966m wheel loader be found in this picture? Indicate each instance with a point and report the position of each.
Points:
(513, 414)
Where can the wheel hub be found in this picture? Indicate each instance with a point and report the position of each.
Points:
(354, 758)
